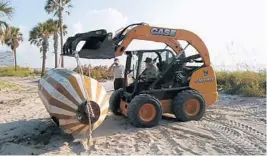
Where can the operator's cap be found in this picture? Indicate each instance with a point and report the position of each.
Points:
(148, 60)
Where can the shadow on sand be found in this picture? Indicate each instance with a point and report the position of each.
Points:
(40, 136)
(37, 136)
(119, 124)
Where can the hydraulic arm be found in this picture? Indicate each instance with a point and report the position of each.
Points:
(102, 45)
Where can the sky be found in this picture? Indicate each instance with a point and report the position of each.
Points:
(234, 31)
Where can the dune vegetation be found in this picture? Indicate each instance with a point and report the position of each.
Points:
(20, 72)
(245, 83)
(6, 85)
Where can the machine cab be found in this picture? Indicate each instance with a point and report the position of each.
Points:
(136, 66)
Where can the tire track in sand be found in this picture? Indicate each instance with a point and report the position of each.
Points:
(160, 141)
(175, 147)
(245, 128)
(244, 109)
(199, 133)
(229, 136)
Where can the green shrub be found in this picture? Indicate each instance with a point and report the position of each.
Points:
(21, 71)
(98, 72)
(246, 83)
(5, 85)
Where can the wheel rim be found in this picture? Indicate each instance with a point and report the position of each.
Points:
(147, 112)
(192, 107)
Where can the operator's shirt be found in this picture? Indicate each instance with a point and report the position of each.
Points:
(118, 71)
(150, 72)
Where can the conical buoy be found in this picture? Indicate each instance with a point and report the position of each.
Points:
(63, 95)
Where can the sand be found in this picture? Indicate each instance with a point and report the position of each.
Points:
(234, 125)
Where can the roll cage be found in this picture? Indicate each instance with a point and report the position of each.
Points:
(166, 73)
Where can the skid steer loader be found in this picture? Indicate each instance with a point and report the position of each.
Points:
(180, 89)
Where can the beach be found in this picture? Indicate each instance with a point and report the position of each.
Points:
(234, 125)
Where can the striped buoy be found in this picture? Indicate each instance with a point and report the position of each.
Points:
(63, 96)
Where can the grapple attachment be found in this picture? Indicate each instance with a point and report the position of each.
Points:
(98, 45)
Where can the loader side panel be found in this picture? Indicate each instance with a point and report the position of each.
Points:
(204, 81)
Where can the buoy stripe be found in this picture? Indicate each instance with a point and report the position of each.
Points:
(65, 87)
(83, 131)
(101, 118)
(74, 128)
(99, 122)
(62, 90)
(77, 129)
(104, 101)
(55, 102)
(74, 83)
(52, 108)
(98, 91)
(93, 89)
(69, 126)
(88, 88)
(67, 121)
(53, 93)
(53, 70)
(43, 99)
(44, 78)
(40, 85)
(102, 95)
(104, 109)
(78, 78)
(55, 109)
(96, 125)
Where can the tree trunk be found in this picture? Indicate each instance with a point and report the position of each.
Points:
(56, 48)
(15, 58)
(45, 45)
(43, 66)
(61, 31)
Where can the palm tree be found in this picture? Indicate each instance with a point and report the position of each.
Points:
(56, 31)
(12, 38)
(39, 36)
(58, 7)
(5, 11)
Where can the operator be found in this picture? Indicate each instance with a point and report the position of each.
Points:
(118, 72)
(151, 71)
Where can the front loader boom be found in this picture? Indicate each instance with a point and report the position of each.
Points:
(102, 45)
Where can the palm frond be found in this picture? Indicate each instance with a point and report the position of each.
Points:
(40, 34)
(68, 13)
(6, 9)
(70, 6)
(52, 7)
(3, 24)
(12, 37)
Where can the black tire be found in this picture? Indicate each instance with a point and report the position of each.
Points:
(114, 101)
(179, 108)
(134, 107)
